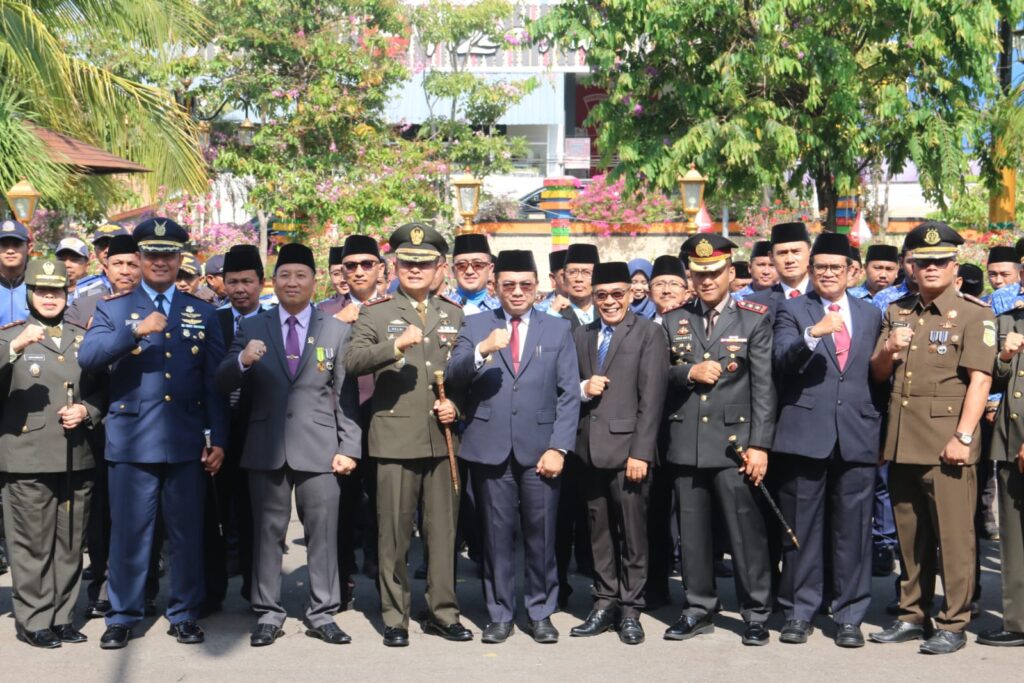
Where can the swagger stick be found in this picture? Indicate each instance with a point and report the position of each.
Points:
(767, 496)
(439, 381)
(208, 436)
(70, 386)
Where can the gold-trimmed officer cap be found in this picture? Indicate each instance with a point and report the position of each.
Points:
(933, 240)
(417, 243)
(46, 273)
(107, 231)
(189, 265)
(160, 235)
(707, 253)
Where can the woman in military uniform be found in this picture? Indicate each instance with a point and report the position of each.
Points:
(47, 466)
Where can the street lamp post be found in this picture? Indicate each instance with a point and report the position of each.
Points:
(22, 198)
(467, 196)
(691, 187)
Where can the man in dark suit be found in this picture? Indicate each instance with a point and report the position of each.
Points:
(622, 361)
(826, 445)
(160, 347)
(791, 245)
(518, 370)
(723, 397)
(342, 294)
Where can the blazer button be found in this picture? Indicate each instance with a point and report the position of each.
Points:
(167, 398)
(168, 354)
(289, 416)
(841, 378)
(515, 412)
(426, 340)
(167, 375)
(515, 387)
(839, 402)
(427, 363)
(593, 418)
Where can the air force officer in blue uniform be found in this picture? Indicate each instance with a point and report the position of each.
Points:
(161, 348)
(518, 369)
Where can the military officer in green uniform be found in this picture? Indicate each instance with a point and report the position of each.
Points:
(403, 340)
(938, 348)
(49, 404)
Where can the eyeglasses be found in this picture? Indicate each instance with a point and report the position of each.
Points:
(352, 266)
(835, 268)
(463, 266)
(617, 294)
(675, 286)
(510, 287)
(923, 263)
(579, 272)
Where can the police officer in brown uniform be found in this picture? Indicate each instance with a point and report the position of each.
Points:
(938, 348)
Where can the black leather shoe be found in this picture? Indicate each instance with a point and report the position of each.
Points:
(187, 632)
(396, 636)
(597, 622)
(630, 631)
(115, 637)
(455, 632)
(543, 632)
(1001, 638)
(688, 627)
(330, 633)
(97, 609)
(43, 638)
(849, 635)
(497, 632)
(898, 632)
(796, 632)
(943, 643)
(265, 634)
(756, 633)
(69, 634)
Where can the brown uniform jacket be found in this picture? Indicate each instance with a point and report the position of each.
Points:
(952, 336)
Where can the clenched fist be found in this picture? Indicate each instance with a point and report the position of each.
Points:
(596, 385)
(1011, 346)
(707, 372)
(154, 322)
(496, 341)
(409, 338)
(30, 335)
(558, 303)
(348, 314)
(830, 324)
(253, 351)
(898, 339)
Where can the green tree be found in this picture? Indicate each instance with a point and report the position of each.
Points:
(767, 93)
(47, 79)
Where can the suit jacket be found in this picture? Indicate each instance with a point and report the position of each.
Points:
(1008, 434)
(162, 392)
(819, 406)
(533, 411)
(302, 422)
(81, 311)
(741, 404)
(334, 304)
(33, 390)
(622, 422)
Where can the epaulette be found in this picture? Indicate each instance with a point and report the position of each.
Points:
(752, 306)
(111, 297)
(974, 300)
(442, 297)
(10, 325)
(378, 300)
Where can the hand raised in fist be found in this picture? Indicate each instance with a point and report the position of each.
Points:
(253, 352)
(30, 335)
(496, 341)
(409, 338)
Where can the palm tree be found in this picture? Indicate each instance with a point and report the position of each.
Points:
(46, 80)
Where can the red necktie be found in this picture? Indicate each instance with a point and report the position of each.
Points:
(515, 345)
(842, 340)
(793, 294)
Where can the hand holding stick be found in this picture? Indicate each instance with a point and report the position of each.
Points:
(208, 436)
(439, 382)
(767, 496)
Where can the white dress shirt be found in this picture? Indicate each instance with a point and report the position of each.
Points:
(844, 310)
(800, 288)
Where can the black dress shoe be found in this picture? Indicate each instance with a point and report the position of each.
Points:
(688, 627)
(69, 634)
(543, 632)
(497, 632)
(597, 622)
(455, 632)
(187, 632)
(943, 643)
(849, 635)
(265, 634)
(899, 632)
(630, 631)
(43, 638)
(756, 633)
(97, 609)
(396, 636)
(115, 637)
(796, 632)
(330, 633)
(1001, 638)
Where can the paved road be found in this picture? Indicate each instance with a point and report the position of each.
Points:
(226, 655)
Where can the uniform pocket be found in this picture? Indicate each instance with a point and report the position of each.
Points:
(946, 407)
(545, 417)
(622, 425)
(124, 408)
(737, 413)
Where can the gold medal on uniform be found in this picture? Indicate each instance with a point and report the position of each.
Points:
(195, 350)
(951, 315)
(34, 370)
(938, 339)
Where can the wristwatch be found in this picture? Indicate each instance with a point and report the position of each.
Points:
(965, 439)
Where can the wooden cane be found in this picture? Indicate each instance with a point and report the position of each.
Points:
(70, 464)
(439, 381)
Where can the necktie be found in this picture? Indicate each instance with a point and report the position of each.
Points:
(421, 309)
(515, 344)
(160, 301)
(602, 348)
(234, 395)
(238, 322)
(793, 294)
(709, 325)
(291, 345)
(842, 340)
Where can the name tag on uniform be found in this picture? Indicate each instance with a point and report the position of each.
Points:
(397, 326)
(733, 340)
(35, 357)
(447, 329)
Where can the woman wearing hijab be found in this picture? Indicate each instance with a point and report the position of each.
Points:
(45, 460)
(640, 288)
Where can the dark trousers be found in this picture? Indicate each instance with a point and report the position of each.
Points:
(1011, 543)
(808, 486)
(44, 538)
(571, 532)
(508, 496)
(139, 493)
(661, 542)
(228, 517)
(617, 512)
(883, 523)
(707, 494)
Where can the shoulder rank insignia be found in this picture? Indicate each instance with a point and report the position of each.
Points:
(111, 297)
(752, 306)
(10, 325)
(442, 297)
(974, 300)
(378, 300)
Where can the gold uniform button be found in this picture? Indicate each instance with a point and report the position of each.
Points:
(743, 419)
(949, 409)
(427, 363)
(913, 347)
(60, 359)
(905, 403)
(920, 321)
(704, 419)
(426, 340)
(909, 373)
(1020, 373)
(167, 335)
(1016, 394)
(122, 406)
(703, 397)
(167, 398)
(168, 354)
(1014, 416)
(25, 428)
(707, 355)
